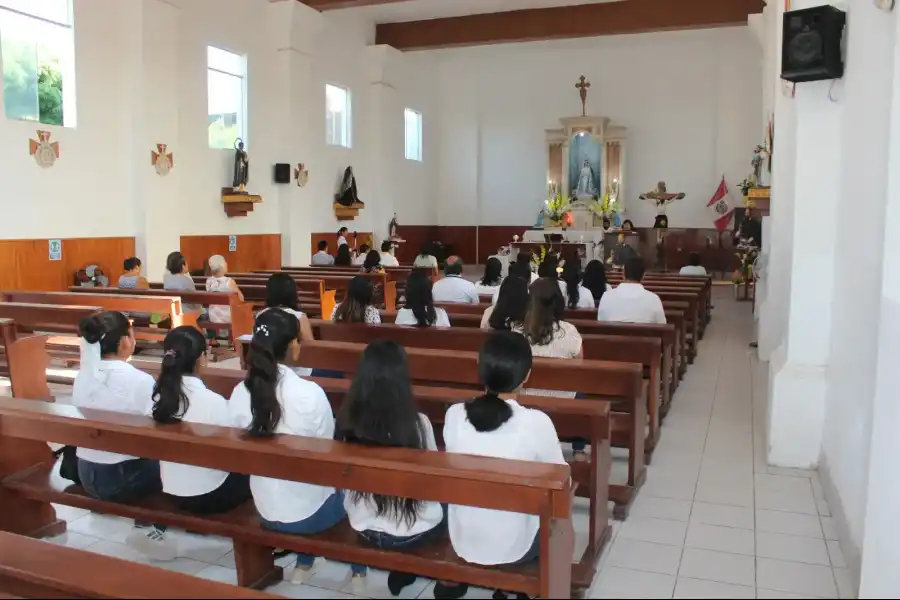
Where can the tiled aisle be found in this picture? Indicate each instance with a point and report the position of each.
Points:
(711, 521)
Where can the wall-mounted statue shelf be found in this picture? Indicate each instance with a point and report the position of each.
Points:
(347, 213)
(238, 205)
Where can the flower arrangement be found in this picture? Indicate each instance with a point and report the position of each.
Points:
(746, 257)
(536, 259)
(557, 207)
(746, 185)
(604, 208)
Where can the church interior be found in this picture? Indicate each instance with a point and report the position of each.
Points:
(738, 447)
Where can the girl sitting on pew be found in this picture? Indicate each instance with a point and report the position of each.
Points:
(576, 294)
(106, 381)
(179, 395)
(372, 263)
(281, 292)
(380, 410)
(343, 258)
(511, 303)
(594, 280)
(275, 400)
(494, 424)
(357, 307)
(361, 255)
(420, 309)
(493, 277)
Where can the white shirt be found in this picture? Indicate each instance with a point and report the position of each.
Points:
(454, 288)
(631, 303)
(692, 270)
(494, 537)
(301, 371)
(322, 259)
(487, 289)
(204, 406)
(427, 261)
(405, 316)
(389, 260)
(359, 260)
(585, 298)
(363, 515)
(118, 387)
(217, 312)
(305, 411)
(341, 240)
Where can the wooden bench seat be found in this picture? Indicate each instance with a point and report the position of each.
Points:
(385, 288)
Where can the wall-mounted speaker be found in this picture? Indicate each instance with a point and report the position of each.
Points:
(811, 48)
(282, 173)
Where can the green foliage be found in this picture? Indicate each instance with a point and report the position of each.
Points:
(50, 99)
(32, 88)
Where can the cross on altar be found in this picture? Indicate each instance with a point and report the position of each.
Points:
(582, 86)
(661, 197)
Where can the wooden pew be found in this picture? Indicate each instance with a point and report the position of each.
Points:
(339, 282)
(314, 299)
(34, 569)
(46, 317)
(540, 489)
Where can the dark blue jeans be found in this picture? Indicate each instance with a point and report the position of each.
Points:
(123, 482)
(329, 514)
(386, 541)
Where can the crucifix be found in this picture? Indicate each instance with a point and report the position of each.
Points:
(582, 87)
(661, 197)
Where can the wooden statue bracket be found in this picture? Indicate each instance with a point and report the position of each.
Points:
(238, 204)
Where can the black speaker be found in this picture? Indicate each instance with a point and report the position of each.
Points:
(811, 48)
(282, 173)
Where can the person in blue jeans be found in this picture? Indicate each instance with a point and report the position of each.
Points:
(272, 400)
(379, 410)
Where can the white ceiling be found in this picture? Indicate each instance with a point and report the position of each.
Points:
(416, 10)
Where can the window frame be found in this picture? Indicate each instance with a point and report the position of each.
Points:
(242, 120)
(347, 141)
(420, 126)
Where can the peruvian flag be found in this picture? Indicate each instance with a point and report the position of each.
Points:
(720, 210)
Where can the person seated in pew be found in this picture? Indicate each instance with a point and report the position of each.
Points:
(360, 257)
(550, 269)
(357, 305)
(179, 395)
(343, 258)
(281, 292)
(693, 267)
(387, 254)
(512, 301)
(342, 238)
(523, 262)
(577, 296)
(493, 277)
(426, 259)
(219, 281)
(322, 258)
(372, 264)
(178, 278)
(521, 270)
(106, 381)
(380, 410)
(630, 302)
(274, 400)
(453, 288)
(594, 280)
(420, 310)
(131, 279)
(495, 425)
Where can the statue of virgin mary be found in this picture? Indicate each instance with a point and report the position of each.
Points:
(586, 181)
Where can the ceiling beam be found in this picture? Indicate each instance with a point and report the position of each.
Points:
(336, 4)
(585, 20)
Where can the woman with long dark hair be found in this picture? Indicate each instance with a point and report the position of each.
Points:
(357, 307)
(595, 280)
(509, 311)
(343, 258)
(420, 309)
(576, 295)
(544, 327)
(179, 395)
(281, 292)
(493, 277)
(372, 263)
(494, 424)
(380, 410)
(275, 400)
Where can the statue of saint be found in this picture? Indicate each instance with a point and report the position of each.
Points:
(347, 195)
(241, 167)
(586, 181)
(392, 227)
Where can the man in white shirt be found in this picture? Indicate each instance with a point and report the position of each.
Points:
(629, 302)
(693, 267)
(361, 257)
(322, 258)
(453, 288)
(387, 255)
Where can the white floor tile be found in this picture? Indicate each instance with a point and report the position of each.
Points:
(798, 578)
(791, 547)
(717, 566)
(220, 574)
(71, 539)
(644, 556)
(804, 503)
(836, 554)
(661, 508)
(776, 595)
(105, 527)
(376, 586)
(698, 588)
(658, 531)
(720, 514)
(615, 582)
(774, 521)
(69, 513)
(664, 485)
(116, 550)
(828, 528)
(782, 483)
(722, 539)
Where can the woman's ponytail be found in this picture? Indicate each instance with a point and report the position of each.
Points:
(273, 333)
(503, 366)
(184, 346)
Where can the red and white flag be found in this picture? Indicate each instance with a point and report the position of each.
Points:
(721, 211)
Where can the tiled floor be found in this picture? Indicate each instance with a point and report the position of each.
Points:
(712, 520)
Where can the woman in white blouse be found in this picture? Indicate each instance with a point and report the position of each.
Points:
(380, 410)
(577, 296)
(420, 309)
(426, 259)
(496, 425)
(275, 400)
(106, 381)
(357, 307)
(281, 292)
(493, 277)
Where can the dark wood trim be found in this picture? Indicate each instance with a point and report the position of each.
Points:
(324, 5)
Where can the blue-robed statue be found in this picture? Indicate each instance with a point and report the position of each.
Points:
(540, 220)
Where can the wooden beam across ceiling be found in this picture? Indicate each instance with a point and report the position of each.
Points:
(584, 20)
(336, 4)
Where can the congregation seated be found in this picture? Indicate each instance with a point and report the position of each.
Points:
(494, 424)
(357, 305)
(510, 305)
(219, 281)
(274, 400)
(693, 267)
(493, 277)
(372, 263)
(343, 258)
(594, 280)
(426, 259)
(360, 257)
(281, 293)
(322, 258)
(453, 288)
(131, 279)
(630, 302)
(178, 278)
(550, 269)
(420, 309)
(380, 410)
(523, 262)
(387, 254)
(577, 296)
(342, 237)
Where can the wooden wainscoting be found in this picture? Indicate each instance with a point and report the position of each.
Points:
(26, 264)
(256, 251)
(331, 237)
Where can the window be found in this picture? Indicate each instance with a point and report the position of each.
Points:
(413, 136)
(38, 51)
(337, 116)
(227, 106)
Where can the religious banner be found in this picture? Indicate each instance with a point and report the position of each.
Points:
(43, 150)
(162, 161)
(722, 212)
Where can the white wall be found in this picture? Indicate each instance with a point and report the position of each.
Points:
(691, 102)
(141, 79)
